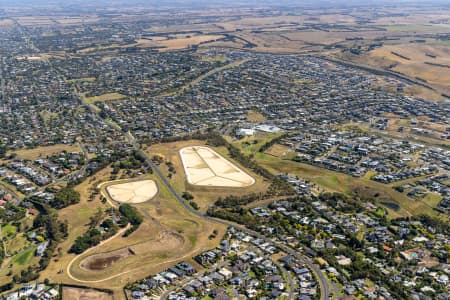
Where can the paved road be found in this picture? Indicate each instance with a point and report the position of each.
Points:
(186, 281)
(323, 282)
(324, 289)
(289, 280)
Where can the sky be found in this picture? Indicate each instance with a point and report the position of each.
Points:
(214, 3)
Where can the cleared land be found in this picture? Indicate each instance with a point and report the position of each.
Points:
(168, 234)
(104, 97)
(133, 192)
(204, 166)
(204, 196)
(255, 117)
(426, 62)
(32, 154)
(72, 293)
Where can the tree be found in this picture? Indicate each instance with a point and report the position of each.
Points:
(65, 197)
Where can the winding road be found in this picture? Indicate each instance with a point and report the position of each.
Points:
(323, 282)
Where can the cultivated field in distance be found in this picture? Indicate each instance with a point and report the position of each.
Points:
(133, 192)
(204, 166)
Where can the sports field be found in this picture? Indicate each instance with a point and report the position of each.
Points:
(133, 192)
(205, 167)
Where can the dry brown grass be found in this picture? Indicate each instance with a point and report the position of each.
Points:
(278, 150)
(44, 151)
(177, 42)
(328, 38)
(338, 182)
(77, 217)
(72, 293)
(415, 67)
(154, 248)
(204, 196)
(255, 117)
(104, 97)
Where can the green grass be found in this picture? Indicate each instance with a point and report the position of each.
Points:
(24, 257)
(370, 174)
(360, 233)
(8, 230)
(252, 144)
(432, 199)
(338, 182)
(193, 240)
(12, 188)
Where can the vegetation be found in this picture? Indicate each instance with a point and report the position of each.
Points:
(65, 197)
(272, 142)
(93, 237)
(130, 215)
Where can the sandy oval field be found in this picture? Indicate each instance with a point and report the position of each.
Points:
(205, 167)
(133, 192)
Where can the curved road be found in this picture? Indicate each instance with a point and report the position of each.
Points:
(323, 282)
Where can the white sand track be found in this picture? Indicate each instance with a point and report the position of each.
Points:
(205, 167)
(133, 192)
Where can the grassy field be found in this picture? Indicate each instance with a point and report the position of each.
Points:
(8, 230)
(281, 151)
(44, 151)
(337, 182)
(251, 144)
(104, 97)
(255, 116)
(24, 257)
(168, 234)
(177, 41)
(81, 80)
(413, 60)
(77, 217)
(415, 28)
(17, 244)
(204, 196)
(13, 265)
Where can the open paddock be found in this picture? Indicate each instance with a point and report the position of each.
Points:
(165, 242)
(74, 293)
(177, 42)
(168, 234)
(44, 151)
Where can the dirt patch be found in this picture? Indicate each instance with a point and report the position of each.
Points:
(72, 293)
(105, 260)
(166, 241)
(204, 167)
(133, 192)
